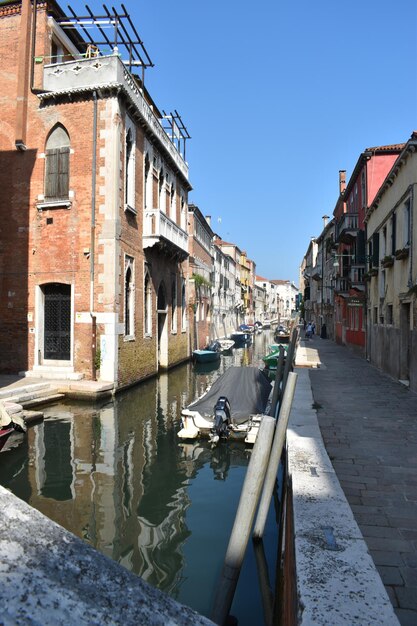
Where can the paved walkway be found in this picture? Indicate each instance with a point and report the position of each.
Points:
(369, 426)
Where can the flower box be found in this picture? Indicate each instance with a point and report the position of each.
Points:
(402, 253)
(387, 261)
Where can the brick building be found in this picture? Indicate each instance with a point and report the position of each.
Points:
(93, 205)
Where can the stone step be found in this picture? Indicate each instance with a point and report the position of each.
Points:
(29, 388)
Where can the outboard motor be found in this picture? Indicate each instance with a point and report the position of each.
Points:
(222, 419)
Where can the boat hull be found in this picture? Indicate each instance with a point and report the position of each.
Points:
(205, 356)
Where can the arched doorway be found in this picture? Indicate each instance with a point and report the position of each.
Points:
(162, 309)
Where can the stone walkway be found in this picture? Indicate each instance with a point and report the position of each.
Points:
(369, 426)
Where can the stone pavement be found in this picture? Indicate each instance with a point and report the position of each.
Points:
(368, 423)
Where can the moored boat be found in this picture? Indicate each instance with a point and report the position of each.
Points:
(231, 409)
(241, 338)
(209, 354)
(226, 344)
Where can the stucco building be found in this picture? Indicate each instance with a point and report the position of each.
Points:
(391, 223)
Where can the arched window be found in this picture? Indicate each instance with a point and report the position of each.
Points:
(129, 297)
(130, 200)
(174, 305)
(57, 153)
(147, 304)
(162, 196)
(146, 193)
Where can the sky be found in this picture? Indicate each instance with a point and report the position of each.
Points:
(278, 96)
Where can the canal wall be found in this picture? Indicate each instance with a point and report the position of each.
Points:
(50, 577)
(336, 582)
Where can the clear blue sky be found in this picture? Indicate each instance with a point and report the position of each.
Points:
(278, 96)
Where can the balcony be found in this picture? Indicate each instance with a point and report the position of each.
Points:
(342, 286)
(106, 74)
(347, 228)
(159, 230)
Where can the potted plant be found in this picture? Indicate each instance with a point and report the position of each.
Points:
(373, 271)
(387, 261)
(402, 253)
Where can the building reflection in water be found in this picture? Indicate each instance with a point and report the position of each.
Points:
(117, 476)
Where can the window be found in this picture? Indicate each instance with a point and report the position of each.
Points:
(147, 195)
(147, 304)
(183, 307)
(174, 305)
(393, 233)
(375, 316)
(407, 223)
(130, 201)
(389, 314)
(129, 297)
(57, 164)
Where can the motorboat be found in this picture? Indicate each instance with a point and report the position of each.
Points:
(282, 334)
(241, 338)
(209, 354)
(231, 409)
(226, 344)
(271, 359)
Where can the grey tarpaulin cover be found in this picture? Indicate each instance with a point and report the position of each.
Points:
(246, 388)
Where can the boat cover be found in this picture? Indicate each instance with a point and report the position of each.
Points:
(246, 388)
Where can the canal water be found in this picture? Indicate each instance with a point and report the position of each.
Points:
(117, 476)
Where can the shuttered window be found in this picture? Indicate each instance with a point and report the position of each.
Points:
(57, 173)
(57, 151)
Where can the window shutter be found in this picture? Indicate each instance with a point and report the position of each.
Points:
(63, 169)
(375, 250)
(51, 173)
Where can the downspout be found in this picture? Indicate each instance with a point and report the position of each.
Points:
(92, 241)
(32, 56)
(410, 275)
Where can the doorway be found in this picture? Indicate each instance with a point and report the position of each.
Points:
(57, 322)
(162, 310)
(405, 338)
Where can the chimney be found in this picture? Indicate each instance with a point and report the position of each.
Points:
(342, 180)
(208, 220)
(325, 219)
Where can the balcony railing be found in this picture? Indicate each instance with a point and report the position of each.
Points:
(106, 73)
(342, 285)
(347, 227)
(158, 228)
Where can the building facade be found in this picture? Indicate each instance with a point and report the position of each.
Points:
(391, 223)
(93, 205)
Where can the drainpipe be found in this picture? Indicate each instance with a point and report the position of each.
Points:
(410, 275)
(92, 241)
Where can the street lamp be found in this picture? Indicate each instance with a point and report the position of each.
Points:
(336, 263)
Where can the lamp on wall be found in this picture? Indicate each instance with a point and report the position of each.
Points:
(336, 258)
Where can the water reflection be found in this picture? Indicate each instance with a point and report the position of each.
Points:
(117, 476)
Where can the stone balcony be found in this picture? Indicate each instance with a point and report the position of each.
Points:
(105, 73)
(160, 230)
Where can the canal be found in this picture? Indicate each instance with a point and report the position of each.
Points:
(117, 476)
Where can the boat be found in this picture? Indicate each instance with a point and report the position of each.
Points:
(231, 409)
(209, 354)
(241, 338)
(226, 344)
(12, 425)
(282, 335)
(271, 359)
(266, 324)
(247, 328)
